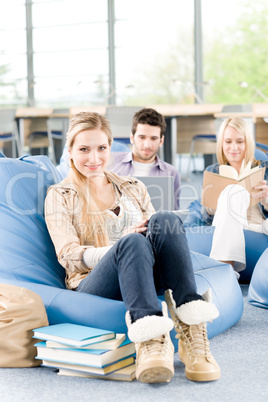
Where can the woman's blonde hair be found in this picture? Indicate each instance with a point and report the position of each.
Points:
(242, 127)
(92, 229)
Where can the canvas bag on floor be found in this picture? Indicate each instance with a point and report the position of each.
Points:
(21, 310)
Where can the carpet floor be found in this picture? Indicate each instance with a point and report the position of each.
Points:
(241, 351)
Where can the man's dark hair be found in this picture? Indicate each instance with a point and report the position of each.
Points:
(150, 117)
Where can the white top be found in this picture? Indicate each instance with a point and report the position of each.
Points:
(142, 169)
(116, 224)
(128, 216)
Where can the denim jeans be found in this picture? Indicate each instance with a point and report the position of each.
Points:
(138, 266)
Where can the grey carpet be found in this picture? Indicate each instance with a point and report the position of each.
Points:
(241, 351)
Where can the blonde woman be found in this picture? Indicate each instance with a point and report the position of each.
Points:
(112, 244)
(236, 147)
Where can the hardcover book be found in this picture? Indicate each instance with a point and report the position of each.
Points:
(107, 345)
(100, 371)
(90, 357)
(72, 334)
(214, 184)
(124, 374)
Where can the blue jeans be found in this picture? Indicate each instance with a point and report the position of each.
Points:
(138, 266)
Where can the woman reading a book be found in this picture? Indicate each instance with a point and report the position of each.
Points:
(235, 212)
(112, 244)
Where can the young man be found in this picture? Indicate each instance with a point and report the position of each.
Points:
(147, 136)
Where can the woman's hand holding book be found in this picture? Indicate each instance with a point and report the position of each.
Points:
(262, 193)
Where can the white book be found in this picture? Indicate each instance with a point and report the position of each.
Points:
(231, 173)
(111, 344)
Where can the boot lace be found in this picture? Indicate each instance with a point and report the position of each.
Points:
(194, 338)
(154, 347)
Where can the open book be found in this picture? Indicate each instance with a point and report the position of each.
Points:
(214, 184)
(231, 173)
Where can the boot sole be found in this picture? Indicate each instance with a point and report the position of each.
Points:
(156, 374)
(202, 376)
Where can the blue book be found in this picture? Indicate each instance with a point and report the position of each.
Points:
(72, 334)
(86, 357)
(101, 372)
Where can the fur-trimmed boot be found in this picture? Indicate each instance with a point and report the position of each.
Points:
(154, 348)
(190, 324)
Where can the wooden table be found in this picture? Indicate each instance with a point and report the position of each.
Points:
(101, 109)
(183, 123)
(258, 114)
(32, 119)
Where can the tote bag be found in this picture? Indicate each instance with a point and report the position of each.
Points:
(21, 310)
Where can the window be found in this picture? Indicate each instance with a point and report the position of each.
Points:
(13, 59)
(154, 51)
(235, 51)
(70, 46)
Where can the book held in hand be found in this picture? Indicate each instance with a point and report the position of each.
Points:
(214, 184)
(124, 374)
(72, 334)
(90, 357)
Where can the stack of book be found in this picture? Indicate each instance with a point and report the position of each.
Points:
(77, 350)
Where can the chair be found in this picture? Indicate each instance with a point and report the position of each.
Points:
(119, 146)
(264, 147)
(261, 154)
(210, 138)
(120, 118)
(199, 234)
(28, 259)
(9, 131)
(57, 126)
(258, 287)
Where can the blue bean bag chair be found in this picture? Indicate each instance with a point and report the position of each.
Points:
(199, 236)
(258, 287)
(27, 256)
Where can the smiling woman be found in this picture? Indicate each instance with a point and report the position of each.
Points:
(112, 244)
(235, 147)
(90, 153)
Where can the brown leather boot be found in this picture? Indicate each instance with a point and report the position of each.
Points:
(190, 325)
(154, 348)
